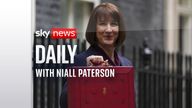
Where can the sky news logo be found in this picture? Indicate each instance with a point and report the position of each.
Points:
(58, 33)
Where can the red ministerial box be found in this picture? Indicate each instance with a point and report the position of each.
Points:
(103, 92)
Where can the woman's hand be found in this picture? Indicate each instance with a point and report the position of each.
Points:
(95, 60)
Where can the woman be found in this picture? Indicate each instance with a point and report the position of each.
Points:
(105, 32)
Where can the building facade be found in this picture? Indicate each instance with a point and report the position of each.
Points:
(166, 24)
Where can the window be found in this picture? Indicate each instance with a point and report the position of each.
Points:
(185, 26)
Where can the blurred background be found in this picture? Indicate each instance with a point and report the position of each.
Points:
(158, 42)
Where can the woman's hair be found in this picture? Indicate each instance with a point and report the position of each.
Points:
(106, 10)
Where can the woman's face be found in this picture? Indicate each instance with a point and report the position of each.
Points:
(107, 30)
